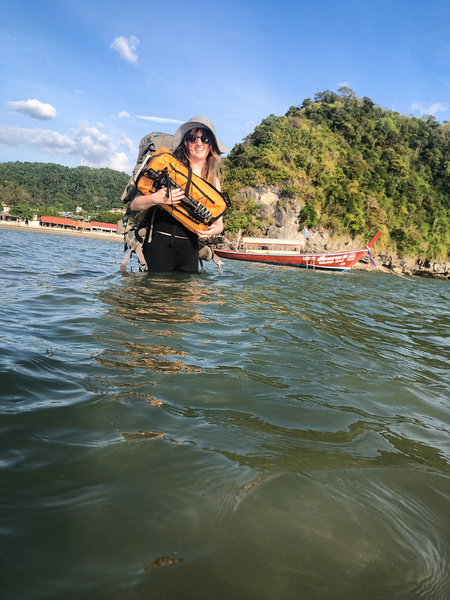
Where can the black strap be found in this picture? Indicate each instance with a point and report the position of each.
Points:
(188, 183)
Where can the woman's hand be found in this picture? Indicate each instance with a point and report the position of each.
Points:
(175, 196)
(216, 228)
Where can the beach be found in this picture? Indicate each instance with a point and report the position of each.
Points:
(35, 227)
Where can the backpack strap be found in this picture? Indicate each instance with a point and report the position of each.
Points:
(134, 242)
(218, 261)
(205, 252)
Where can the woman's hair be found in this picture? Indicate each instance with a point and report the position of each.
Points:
(211, 167)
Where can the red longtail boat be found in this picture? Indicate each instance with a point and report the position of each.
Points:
(263, 250)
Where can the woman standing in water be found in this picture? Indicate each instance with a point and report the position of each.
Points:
(172, 246)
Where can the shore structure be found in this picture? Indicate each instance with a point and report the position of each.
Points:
(68, 227)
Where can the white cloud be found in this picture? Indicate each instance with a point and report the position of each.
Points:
(126, 143)
(92, 144)
(123, 114)
(34, 108)
(93, 147)
(126, 47)
(432, 109)
(119, 162)
(159, 119)
(97, 149)
(52, 142)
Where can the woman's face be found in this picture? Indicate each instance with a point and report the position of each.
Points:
(198, 148)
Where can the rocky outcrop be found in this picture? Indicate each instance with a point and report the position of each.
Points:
(414, 266)
(279, 216)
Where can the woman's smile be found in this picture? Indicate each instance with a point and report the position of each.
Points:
(198, 148)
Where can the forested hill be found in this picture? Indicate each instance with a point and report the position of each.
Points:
(60, 188)
(350, 166)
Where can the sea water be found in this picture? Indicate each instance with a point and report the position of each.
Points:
(264, 433)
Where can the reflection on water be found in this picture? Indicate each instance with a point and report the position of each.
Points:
(139, 355)
(171, 298)
(265, 433)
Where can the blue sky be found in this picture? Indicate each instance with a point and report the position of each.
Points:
(82, 81)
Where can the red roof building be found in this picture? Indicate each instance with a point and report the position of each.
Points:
(104, 226)
(71, 224)
(52, 221)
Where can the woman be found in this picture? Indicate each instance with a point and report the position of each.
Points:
(173, 247)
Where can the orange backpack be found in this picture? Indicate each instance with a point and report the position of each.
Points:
(203, 203)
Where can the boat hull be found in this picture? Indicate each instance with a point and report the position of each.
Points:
(339, 261)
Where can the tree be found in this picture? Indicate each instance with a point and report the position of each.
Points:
(347, 92)
(308, 216)
(107, 217)
(11, 194)
(24, 211)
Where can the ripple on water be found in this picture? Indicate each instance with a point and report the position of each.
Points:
(287, 428)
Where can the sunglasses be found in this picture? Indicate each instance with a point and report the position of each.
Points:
(193, 138)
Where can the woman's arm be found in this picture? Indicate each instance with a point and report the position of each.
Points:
(142, 202)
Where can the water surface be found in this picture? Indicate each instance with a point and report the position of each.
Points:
(264, 433)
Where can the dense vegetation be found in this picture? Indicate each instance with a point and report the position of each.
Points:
(46, 188)
(349, 166)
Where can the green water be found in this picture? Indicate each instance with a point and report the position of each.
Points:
(265, 433)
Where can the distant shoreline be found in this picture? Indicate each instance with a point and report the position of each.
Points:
(108, 237)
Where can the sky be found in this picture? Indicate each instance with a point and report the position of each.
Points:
(82, 81)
